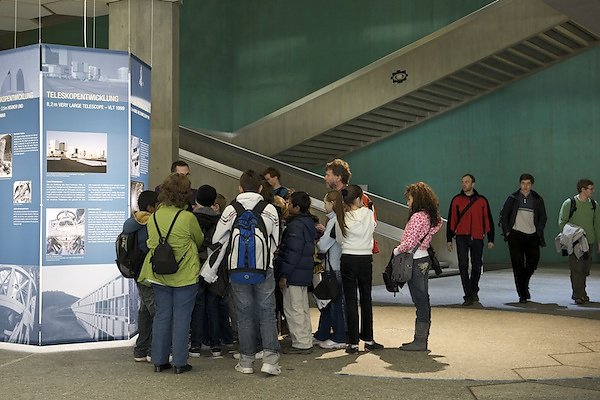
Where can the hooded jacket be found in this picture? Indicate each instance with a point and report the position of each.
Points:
(207, 219)
(295, 259)
(360, 225)
(137, 223)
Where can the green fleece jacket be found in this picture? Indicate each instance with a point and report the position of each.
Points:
(583, 217)
(185, 239)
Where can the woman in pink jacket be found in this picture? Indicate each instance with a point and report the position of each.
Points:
(423, 222)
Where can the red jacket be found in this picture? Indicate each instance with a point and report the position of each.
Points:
(476, 222)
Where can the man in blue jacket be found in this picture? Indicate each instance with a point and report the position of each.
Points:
(294, 270)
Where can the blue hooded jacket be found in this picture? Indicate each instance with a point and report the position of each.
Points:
(295, 260)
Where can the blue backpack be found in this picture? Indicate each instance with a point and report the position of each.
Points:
(249, 245)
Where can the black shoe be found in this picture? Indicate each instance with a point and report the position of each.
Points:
(468, 302)
(351, 349)
(181, 370)
(296, 350)
(522, 300)
(476, 298)
(528, 295)
(579, 301)
(162, 367)
(373, 346)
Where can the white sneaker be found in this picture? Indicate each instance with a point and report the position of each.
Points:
(149, 359)
(141, 359)
(271, 369)
(330, 344)
(244, 370)
(257, 356)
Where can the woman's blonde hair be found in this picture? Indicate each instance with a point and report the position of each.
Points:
(335, 197)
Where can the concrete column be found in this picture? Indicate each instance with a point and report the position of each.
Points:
(149, 29)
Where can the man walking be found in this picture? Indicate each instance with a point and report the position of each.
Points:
(469, 221)
(523, 219)
(581, 210)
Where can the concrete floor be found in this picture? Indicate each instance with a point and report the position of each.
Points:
(546, 349)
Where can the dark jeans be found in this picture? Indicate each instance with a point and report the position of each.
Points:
(143, 344)
(198, 326)
(580, 269)
(464, 245)
(418, 285)
(357, 272)
(332, 324)
(524, 256)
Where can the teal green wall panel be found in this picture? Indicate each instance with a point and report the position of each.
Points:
(276, 52)
(547, 124)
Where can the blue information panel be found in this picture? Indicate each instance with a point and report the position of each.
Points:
(74, 155)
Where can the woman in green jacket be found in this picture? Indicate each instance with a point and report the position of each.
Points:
(175, 293)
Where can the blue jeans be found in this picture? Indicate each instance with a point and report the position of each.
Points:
(332, 324)
(171, 327)
(464, 245)
(418, 286)
(252, 303)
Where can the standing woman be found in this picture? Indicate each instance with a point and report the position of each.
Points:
(355, 236)
(423, 222)
(332, 324)
(174, 294)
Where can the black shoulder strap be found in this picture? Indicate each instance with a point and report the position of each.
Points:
(239, 208)
(464, 211)
(170, 228)
(260, 207)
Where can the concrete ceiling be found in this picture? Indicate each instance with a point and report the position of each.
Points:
(51, 12)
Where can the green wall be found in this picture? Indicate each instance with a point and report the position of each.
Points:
(547, 125)
(242, 60)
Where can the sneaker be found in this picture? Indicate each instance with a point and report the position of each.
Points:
(352, 349)
(330, 344)
(244, 370)
(271, 369)
(579, 301)
(195, 352)
(296, 350)
(468, 302)
(215, 351)
(142, 359)
(373, 346)
(257, 356)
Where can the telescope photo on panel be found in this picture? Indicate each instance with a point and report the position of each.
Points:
(65, 231)
(76, 152)
(19, 288)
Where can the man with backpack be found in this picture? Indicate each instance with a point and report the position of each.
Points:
(581, 210)
(249, 227)
(469, 221)
(136, 224)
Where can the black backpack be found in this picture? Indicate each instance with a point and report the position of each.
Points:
(573, 207)
(129, 255)
(163, 259)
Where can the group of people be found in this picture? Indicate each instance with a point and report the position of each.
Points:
(206, 303)
(523, 220)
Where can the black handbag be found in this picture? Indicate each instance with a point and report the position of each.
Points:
(435, 263)
(325, 286)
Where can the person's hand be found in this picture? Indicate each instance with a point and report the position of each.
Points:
(449, 246)
(282, 283)
(490, 245)
(320, 227)
(396, 251)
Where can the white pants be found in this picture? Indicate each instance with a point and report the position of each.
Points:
(295, 306)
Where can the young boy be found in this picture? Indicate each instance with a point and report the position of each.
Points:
(137, 223)
(254, 301)
(294, 271)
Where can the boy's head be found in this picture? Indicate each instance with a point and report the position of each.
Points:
(206, 195)
(250, 181)
(299, 203)
(220, 203)
(147, 200)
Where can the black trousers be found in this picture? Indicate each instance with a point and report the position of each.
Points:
(524, 256)
(357, 272)
(465, 245)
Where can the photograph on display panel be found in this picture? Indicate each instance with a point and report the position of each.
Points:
(19, 288)
(5, 156)
(82, 303)
(136, 189)
(76, 152)
(22, 192)
(65, 231)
